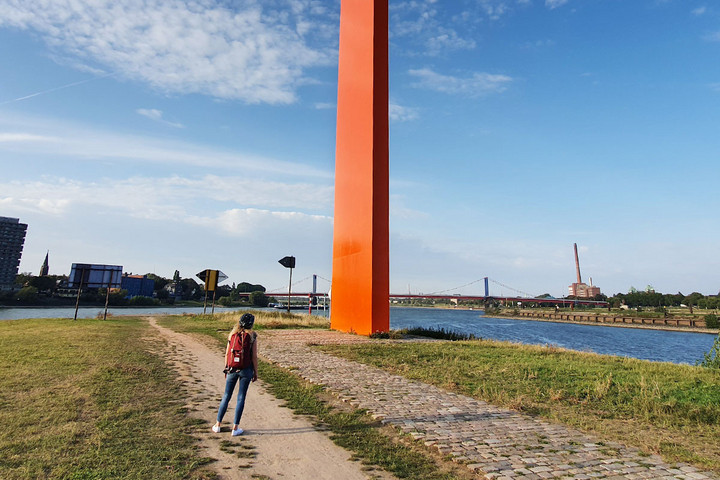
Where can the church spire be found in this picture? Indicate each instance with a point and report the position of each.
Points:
(45, 267)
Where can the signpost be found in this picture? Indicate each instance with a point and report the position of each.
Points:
(288, 262)
(211, 278)
(94, 276)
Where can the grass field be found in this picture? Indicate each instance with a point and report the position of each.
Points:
(83, 400)
(670, 409)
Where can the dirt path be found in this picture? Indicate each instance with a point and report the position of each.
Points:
(276, 444)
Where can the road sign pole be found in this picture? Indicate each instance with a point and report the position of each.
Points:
(289, 289)
(213, 303)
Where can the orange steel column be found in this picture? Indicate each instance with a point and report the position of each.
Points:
(360, 279)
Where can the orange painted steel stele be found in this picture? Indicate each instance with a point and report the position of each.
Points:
(360, 279)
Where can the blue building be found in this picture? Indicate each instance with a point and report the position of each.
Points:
(138, 285)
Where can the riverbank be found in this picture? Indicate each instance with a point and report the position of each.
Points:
(666, 324)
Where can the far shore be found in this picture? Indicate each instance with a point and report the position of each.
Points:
(616, 325)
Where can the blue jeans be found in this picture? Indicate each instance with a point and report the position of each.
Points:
(245, 376)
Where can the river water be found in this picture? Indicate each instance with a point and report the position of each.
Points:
(655, 345)
(646, 344)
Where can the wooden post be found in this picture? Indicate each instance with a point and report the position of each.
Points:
(107, 296)
(77, 300)
(360, 282)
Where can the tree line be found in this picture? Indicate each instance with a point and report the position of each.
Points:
(53, 290)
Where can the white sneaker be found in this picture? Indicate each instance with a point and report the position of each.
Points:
(216, 428)
(237, 432)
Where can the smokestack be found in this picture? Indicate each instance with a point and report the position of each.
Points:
(577, 264)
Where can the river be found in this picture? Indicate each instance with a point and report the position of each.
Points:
(646, 344)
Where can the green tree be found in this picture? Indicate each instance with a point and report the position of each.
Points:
(245, 287)
(117, 297)
(259, 299)
(27, 295)
(160, 282)
(223, 291)
(693, 298)
(23, 278)
(191, 290)
(43, 284)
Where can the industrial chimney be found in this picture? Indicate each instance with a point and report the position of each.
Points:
(577, 264)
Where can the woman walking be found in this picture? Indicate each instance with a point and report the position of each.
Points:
(240, 367)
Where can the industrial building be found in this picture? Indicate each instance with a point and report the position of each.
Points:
(138, 285)
(580, 289)
(12, 239)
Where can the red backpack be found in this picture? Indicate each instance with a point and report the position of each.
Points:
(239, 355)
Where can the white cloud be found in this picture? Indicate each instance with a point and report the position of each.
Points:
(164, 197)
(713, 37)
(43, 137)
(157, 116)
(447, 39)
(249, 51)
(325, 106)
(10, 137)
(256, 222)
(477, 85)
(426, 24)
(398, 113)
(553, 4)
(495, 11)
(546, 43)
(699, 11)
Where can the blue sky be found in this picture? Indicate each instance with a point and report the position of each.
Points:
(191, 135)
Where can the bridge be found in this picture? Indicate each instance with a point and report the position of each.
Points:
(521, 298)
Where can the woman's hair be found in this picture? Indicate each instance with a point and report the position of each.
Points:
(236, 329)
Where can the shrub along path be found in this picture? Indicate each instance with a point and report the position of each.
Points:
(494, 442)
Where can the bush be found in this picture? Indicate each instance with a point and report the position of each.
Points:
(259, 299)
(712, 358)
(143, 301)
(711, 321)
(440, 333)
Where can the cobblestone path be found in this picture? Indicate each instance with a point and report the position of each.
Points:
(494, 442)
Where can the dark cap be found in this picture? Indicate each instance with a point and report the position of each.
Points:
(247, 321)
